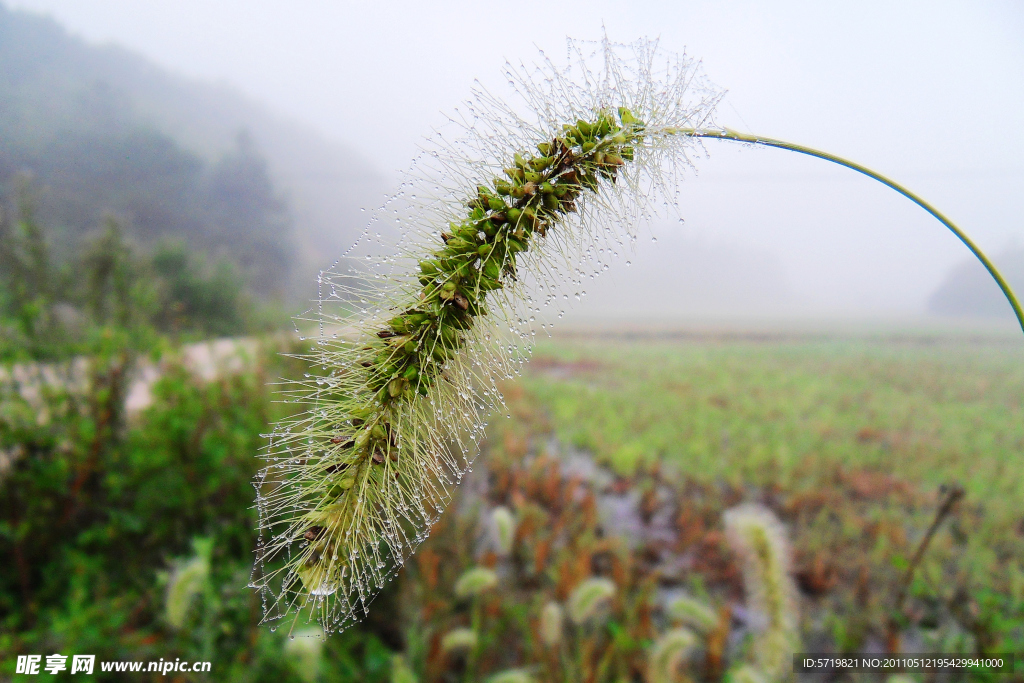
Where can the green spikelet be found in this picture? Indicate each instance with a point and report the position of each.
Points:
(693, 613)
(667, 653)
(759, 541)
(504, 525)
(589, 598)
(475, 581)
(459, 639)
(552, 624)
(186, 583)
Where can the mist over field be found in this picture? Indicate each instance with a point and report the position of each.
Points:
(338, 99)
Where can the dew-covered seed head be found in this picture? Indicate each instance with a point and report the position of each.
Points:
(475, 581)
(416, 332)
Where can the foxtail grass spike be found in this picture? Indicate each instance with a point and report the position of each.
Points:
(589, 598)
(475, 581)
(759, 541)
(667, 653)
(511, 209)
(186, 583)
(552, 624)
(504, 524)
(459, 639)
(693, 613)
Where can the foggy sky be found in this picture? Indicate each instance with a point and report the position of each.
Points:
(930, 93)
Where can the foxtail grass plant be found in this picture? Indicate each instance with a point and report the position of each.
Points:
(589, 599)
(552, 624)
(459, 639)
(667, 654)
(509, 210)
(692, 613)
(475, 582)
(759, 541)
(186, 583)
(508, 203)
(503, 523)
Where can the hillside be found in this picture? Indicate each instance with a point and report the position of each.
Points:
(102, 130)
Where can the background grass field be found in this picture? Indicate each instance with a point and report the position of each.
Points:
(759, 409)
(853, 441)
(618, 457)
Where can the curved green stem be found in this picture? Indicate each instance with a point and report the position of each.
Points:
(727, 134)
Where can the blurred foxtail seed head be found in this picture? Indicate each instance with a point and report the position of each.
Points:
(667, 654)
(552, 624)
(459, 639)
(504, 525)
(475, 581)
(693, 613)
(759, 540)
(589, 599)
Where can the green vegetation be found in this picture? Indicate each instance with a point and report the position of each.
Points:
(109, 288)
(929, 412)
(842, 438)
(858, 446)
(131, 538)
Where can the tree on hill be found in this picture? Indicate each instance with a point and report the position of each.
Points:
(242, 201)
(111, 284)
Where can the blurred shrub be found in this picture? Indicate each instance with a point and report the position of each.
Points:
(108, 288)
(133, 540)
